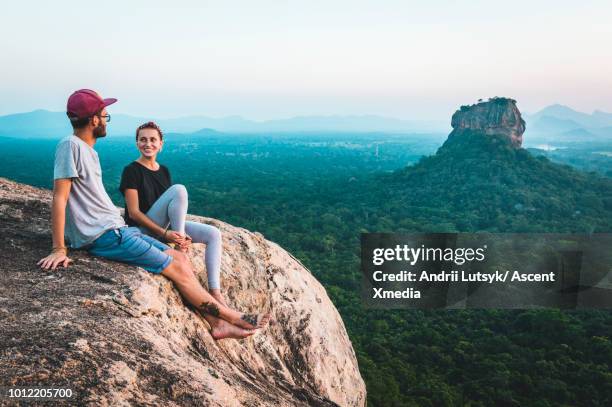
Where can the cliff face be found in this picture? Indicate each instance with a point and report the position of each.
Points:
(117, 335)
(498, 116)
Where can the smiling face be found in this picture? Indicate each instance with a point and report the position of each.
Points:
(149, 142)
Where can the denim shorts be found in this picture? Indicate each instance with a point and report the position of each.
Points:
(129, 245)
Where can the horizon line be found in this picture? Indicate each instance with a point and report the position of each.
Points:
(306, 115)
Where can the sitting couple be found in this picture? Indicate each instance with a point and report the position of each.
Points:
(83, 210)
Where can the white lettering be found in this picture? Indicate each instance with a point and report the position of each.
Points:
(407, 293)
(516, 276)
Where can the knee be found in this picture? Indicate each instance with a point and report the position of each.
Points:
(184, 274)
(210, 235)
(181, 271)
(180, 192)
(180, 257)
(216, 234)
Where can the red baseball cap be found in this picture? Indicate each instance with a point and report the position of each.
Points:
(86, 102)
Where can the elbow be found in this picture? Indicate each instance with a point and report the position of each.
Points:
(138, 216)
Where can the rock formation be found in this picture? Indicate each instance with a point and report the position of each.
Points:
(117, 335)
(498, 116)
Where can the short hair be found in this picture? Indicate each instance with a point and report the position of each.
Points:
(150, 125)
(80, 122)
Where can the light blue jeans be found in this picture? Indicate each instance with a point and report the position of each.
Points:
(129, 245)
(170, 210)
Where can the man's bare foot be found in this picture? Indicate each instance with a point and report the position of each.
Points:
(253, 321)
(216, 293)
(224, 330)
(240, 319)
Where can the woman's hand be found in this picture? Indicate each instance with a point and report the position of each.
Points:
(183, 241)
(172, 236)
(186, 243)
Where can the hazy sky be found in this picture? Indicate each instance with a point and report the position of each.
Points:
(276, 59)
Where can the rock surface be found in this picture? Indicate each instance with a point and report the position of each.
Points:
(498, 116)
(117, 335)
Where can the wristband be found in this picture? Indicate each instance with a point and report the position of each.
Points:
(60, 248)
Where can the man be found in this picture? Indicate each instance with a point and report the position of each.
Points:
(83, 210)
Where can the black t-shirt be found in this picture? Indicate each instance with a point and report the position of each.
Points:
(149, 184)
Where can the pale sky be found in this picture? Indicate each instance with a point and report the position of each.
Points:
(278, 59)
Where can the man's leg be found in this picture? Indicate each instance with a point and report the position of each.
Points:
(189, 286)
(181, 274)
(130, 246)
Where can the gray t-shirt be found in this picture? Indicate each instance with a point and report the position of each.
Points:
(90, 211)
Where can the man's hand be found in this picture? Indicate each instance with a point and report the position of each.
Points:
(59, 254)
(55, 259)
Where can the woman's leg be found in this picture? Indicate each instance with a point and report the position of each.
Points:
(211, 237)
(170, 208)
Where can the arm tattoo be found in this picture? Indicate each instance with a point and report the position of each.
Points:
(210, 308)
(250, 318)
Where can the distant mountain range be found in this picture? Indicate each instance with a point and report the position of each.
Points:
(46, 124)
(561, 123)
(552, 124)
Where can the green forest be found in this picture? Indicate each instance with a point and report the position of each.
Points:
(315, 194)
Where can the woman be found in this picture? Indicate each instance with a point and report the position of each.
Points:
(159, 208)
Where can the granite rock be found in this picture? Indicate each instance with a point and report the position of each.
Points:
(118, 335)
(497, 116)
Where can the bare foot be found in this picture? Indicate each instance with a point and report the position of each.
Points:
(253, 321)
(224, 330)
(242, 320)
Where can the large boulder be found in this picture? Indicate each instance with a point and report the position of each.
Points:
(498, 116)
(117, 335)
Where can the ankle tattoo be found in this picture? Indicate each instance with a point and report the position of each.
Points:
(210, 308)
(250, 318)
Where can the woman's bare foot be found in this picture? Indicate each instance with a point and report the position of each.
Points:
(216, 293)
(253, 321)
(224, 330)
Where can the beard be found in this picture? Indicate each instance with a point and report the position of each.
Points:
(100, 131)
